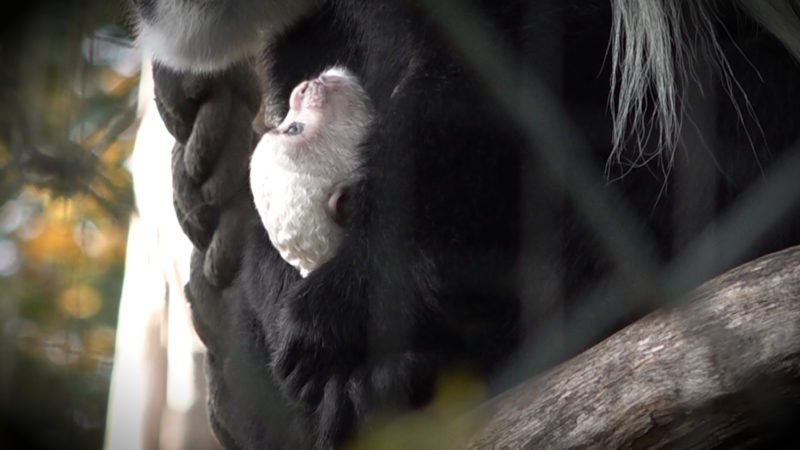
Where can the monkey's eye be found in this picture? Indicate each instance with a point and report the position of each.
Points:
(294, 129)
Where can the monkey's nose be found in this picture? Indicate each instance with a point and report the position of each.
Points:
(298, 93)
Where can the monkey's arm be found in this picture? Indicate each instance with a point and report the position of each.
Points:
(203, 36)
(214, 209)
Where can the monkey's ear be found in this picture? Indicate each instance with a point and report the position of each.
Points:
(336, 207)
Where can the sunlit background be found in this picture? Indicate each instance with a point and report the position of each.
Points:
(68, 87)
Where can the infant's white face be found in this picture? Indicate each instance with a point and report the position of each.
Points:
(309, 107)
(327, 118)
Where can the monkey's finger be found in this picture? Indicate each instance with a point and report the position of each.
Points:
(310, 394)
(224, 253)
(209, 311)
(207, 139)
(336, 412)
(300, 377)
(197, 219)
(286, 359)
(177, 127)
(243, 81)
(177, 106)
(230, 173)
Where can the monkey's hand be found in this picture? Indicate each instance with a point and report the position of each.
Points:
(205, 185)
(345, 354)
(209, 115)
(319, 339)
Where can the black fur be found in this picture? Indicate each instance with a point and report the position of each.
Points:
(145, 8)
(421, 280)
(455, 222)
(428, 274)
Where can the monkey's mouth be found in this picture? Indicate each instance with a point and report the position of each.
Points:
(330, 81)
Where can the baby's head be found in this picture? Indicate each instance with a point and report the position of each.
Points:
(302, 170)
(327, 119)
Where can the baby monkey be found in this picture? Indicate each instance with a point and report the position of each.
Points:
(300, 170)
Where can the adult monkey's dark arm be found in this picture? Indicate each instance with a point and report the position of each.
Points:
(208, 104)
(210, 116)
(428, 278)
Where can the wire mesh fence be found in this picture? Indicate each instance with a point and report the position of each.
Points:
(657, 150)
(556, 142)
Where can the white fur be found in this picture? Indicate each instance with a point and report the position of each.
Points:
(292, 178)
(292, 208)
(655, 45)
(207, 35)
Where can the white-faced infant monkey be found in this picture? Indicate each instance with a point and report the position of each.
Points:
(301, 169)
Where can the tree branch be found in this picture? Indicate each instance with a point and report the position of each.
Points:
(723, 370)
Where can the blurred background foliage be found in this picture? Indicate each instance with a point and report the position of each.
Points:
(68, 79)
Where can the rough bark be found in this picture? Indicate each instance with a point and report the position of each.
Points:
(720, 371)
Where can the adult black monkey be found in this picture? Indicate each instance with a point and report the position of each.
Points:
(429, 272)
